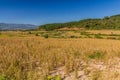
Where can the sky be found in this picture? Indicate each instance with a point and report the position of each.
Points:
(40, 12)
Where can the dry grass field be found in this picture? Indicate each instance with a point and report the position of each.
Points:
(27, 56)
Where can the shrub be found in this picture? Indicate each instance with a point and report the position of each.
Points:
(73, 37)
(45, 36)
(96, 55)
(57, 77)
(83, 33)
(37, 34)
(2, 78)
(49, 78)
(88, 36)
(98, 36)
(29, 32)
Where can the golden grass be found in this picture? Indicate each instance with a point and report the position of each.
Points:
(104, 31)
(33, 58)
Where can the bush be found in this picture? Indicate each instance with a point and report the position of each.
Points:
(46, 36)
(57, 77)
(96, 55)
(29, 32)
(83, 33)
(98, 36)
(88, 36)
(73, 37)
(36, 34)
(49, 78)
(4, 78)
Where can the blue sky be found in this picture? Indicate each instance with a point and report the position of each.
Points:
(52, 11)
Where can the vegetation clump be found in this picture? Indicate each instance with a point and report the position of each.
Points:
(97, 55)
(57, 77)
(98, 36)
(46, 36)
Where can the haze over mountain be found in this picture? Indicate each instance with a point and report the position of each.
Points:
(11, 26)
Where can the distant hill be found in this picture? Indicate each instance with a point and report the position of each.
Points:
(6, 26)
(112, 22)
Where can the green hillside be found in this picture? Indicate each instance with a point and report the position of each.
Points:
(112, 22)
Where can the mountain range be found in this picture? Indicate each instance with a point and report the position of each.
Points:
(8, 26)
(108, 22)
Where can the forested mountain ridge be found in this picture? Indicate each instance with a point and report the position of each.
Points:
(112, 22)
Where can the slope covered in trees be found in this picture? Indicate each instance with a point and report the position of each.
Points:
(112, 22)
